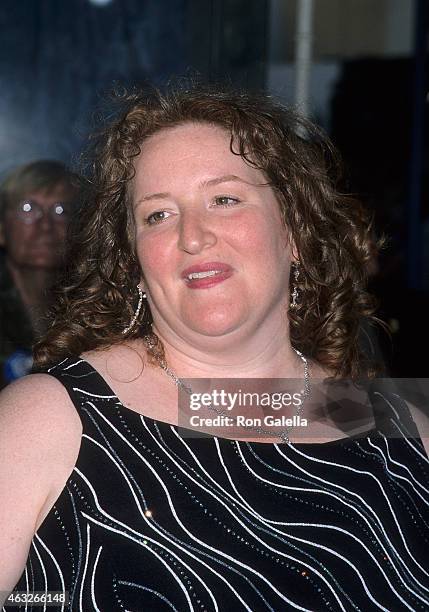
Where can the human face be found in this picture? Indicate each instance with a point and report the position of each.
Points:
(200, 208)
(39, 244)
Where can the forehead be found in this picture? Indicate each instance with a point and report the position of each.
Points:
(54, 193)
(57, 192)
(188, 150)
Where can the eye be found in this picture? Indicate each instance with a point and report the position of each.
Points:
(61, 211)
(27, 207)
(226, 201)
(156, 217)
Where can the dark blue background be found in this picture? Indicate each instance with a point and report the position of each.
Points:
(58, 58)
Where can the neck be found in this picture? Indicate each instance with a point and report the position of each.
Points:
(262, 356)
(32, 284)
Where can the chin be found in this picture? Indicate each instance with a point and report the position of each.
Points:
(215, 323)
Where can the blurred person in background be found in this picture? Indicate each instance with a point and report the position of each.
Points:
(36, 201)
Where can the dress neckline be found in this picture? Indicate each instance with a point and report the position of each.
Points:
(111, 395)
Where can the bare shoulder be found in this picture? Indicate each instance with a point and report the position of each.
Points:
(38, 402)
(40, 433)
(39, 426)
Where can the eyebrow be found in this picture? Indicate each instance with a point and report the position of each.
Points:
(227, 178)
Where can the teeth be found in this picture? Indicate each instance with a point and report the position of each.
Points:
(195, 275)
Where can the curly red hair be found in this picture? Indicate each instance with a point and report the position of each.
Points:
(330, 229)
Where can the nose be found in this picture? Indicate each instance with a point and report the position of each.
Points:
(195, 233)
(45, 223)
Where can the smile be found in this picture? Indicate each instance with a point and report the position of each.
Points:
(206, 275)
(195, 275)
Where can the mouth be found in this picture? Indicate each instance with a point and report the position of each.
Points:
(206, 275)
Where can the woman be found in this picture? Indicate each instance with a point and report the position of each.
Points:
(36, 203)
(214, 246)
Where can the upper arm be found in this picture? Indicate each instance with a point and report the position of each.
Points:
(40, 434)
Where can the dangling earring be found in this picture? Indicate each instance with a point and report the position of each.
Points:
(295, 293)
(142, 295)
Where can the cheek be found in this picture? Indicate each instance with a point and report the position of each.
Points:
(60, 232)
(154, 257)
(18, 235)
(261, 240)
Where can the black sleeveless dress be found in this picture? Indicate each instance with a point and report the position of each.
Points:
(151, 521)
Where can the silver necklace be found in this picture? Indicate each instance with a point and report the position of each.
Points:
(283, 435)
